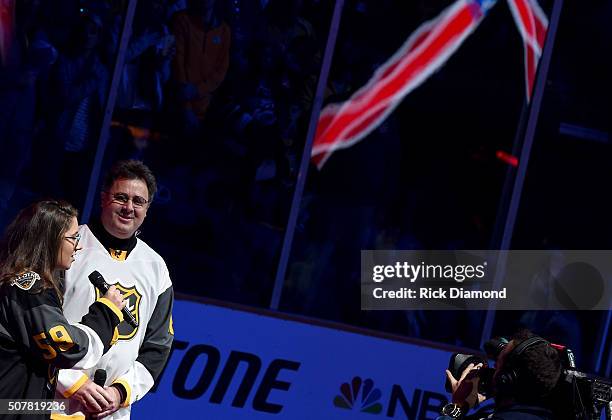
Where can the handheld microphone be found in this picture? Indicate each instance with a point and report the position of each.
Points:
(98, 281)
(99, 377)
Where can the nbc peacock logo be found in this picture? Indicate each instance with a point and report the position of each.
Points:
(359, 395)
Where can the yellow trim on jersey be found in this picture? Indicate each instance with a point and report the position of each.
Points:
(128, 391)
(111, 305)
(171, 326)
(75, 387)
(57, 416)
(115, 336)
(118, 254)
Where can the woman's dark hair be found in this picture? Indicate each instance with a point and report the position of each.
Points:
(32, 241)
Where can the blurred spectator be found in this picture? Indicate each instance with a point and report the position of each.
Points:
(176, 6)
(81, 82)
(134, 137)
(202, 57)
(26, 54)
(247, 20)
(147, 60)
(286, 23)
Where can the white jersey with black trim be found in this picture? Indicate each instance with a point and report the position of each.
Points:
(144, 281)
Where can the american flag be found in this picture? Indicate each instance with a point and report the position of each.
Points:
(426, 50)
(532, 24)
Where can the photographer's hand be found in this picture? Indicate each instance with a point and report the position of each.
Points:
(465, 390)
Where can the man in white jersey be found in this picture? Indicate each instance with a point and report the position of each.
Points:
(111, 247)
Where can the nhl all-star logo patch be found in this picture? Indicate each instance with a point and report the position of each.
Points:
(133, 297)
(26, 280)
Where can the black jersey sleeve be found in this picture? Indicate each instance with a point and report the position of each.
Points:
(35, 320)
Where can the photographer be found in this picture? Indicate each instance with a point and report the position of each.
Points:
(527, 371)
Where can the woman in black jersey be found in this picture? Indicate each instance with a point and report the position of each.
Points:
(35, 338)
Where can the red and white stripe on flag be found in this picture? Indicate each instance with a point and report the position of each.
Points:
(532, 25)
(427, 49)
(342, 125)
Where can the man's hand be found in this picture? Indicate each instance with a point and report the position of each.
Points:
(92, 397)
(115, 404)
(465, 390)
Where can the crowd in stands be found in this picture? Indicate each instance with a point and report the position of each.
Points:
(215, 96)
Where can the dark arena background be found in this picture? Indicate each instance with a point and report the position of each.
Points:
(264, 246)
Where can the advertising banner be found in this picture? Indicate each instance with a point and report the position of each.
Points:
(231, 364)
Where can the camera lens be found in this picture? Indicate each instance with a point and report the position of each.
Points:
(495, 346)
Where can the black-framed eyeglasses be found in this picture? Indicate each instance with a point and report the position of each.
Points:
(75, 239)
(123, 199)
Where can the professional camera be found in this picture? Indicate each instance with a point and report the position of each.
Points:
(581, 395)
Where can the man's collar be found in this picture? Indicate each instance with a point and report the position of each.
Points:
(112, 244)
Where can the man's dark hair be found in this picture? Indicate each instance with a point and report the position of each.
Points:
(538, 368)
(131, 169)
